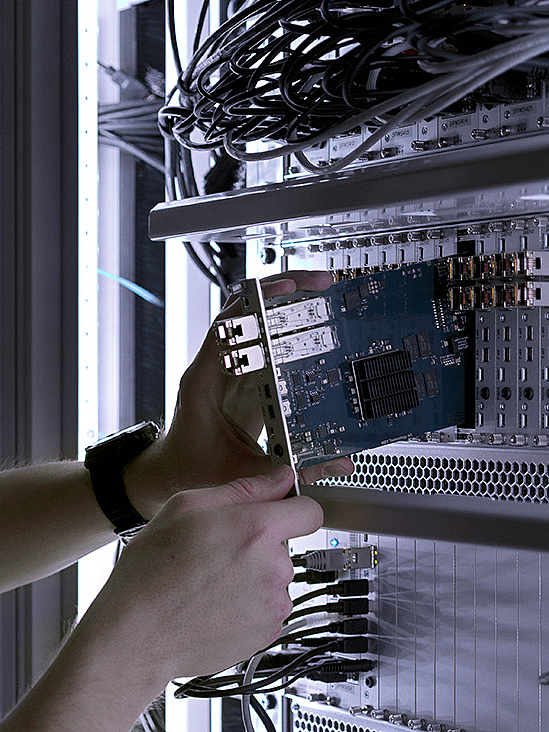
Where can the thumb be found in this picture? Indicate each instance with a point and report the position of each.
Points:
(271, 486)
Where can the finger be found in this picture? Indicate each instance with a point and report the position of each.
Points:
(284, 283)
(271, 486)
(332, 469)
(288, 282)
(296, 516)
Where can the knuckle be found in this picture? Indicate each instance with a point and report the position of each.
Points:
(241, 490)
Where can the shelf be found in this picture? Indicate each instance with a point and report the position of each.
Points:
(495, 180)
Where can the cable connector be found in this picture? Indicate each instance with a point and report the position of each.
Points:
(354, 606)
(353, 644)
(339, 560)
(132, 87)
(354, 626)
(339, 670)
(314, 577)
(349, 588)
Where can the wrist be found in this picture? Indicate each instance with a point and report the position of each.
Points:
(146, 480)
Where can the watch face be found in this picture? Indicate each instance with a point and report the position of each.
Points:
(121, 447)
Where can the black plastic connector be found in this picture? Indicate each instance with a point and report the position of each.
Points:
(353, 644)
(314, 577)
(349, 588)
(354, 626)
(334, 671)
(353, 606)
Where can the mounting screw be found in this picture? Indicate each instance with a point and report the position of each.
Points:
(295, 707)
(485, 118)
(507, 114)
(424, 130)
(444, 126)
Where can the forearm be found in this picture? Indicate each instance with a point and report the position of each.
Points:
(49, 519)
(100, 680)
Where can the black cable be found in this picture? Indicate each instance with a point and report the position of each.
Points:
(170, 11)
(248, 82)
(191, 690)
(352, 606)
(262, 714)
(200, 24)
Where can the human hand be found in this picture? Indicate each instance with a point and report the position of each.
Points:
(204, 584)
(213, 436)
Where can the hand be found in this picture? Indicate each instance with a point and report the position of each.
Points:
(213, 436)
(204, 584)
(202, 587)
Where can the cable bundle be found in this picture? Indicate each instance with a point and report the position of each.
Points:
(132, 126)
(278, 671)
(296, 72)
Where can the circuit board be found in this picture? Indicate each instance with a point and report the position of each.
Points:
(369, 361)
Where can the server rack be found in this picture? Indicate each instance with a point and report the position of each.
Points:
(459, 517)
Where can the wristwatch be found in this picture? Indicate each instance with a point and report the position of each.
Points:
(106, 460)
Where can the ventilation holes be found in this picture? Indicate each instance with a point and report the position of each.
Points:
(515, 481)
(302, 722)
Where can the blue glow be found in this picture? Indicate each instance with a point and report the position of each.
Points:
(133, 287)
(334, 542)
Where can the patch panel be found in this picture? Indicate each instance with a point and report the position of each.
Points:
(475, 124)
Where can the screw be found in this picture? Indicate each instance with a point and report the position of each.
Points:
(378, 714)
(524, 316)
(507, 114)
(485, 118)
(424, 130)
(444, 126)
(295, 707)
(387, 138)
(502, 318)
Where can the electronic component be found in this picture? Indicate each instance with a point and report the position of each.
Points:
(237, 330)
(298, 315)
(388, 362)
(244, 360)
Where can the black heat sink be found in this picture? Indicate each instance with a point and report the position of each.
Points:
(385, 383)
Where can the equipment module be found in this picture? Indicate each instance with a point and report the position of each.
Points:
(371, 360)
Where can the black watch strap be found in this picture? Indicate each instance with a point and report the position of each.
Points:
(106, 461)
(110, 494)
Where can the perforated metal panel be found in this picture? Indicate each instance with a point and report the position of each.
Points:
(520, 475)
